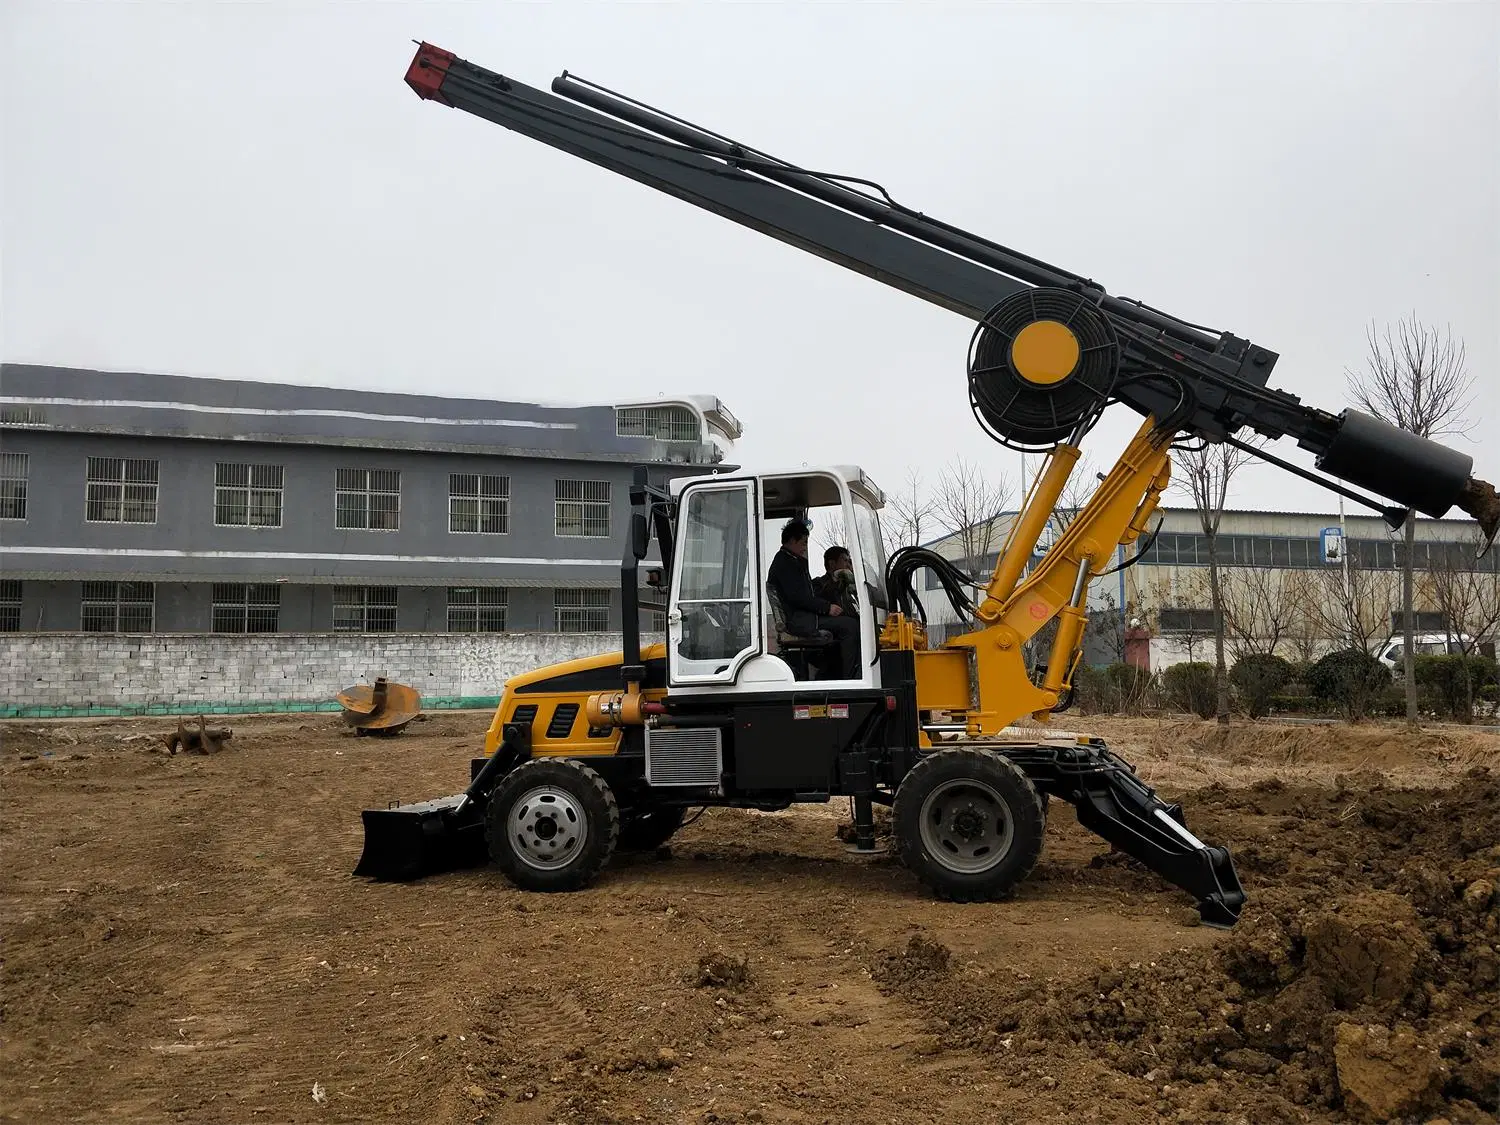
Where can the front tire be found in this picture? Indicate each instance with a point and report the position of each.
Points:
(552, 825)
(969, 824)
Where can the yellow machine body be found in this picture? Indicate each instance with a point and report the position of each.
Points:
(978, 679)
(552, 687)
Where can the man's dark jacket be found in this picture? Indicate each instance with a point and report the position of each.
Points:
(793, 582)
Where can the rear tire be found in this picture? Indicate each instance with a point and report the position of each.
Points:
(552, 825)
(649, 830)
(969, 824)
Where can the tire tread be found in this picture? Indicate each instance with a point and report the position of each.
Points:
(945, 885)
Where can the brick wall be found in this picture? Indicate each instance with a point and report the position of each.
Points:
(170, 673)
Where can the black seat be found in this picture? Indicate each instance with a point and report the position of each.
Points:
(799, 652)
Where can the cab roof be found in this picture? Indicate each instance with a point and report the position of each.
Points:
(792, 488)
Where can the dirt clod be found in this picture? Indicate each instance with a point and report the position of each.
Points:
(721, 970)
(921, 957)
(1384, 1075)
(1368, 951)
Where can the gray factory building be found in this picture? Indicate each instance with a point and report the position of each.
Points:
(157, 503)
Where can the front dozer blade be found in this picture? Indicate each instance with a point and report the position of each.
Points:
(406, 842)
(1112, 802)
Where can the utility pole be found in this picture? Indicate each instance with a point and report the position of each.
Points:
(1344, 566)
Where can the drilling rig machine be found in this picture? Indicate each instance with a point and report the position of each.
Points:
(608, 752)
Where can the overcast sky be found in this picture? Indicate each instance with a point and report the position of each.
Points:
(250, 191)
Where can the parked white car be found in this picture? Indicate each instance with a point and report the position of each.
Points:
(1423, 644)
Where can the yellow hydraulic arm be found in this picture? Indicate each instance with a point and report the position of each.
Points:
(982, 674)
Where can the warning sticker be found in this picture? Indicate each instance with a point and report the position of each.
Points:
(801, 712)
(838, 710)
(813, 711)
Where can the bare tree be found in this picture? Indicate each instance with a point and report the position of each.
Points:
(1470, 602)
(909, 516)
(968, 505)
(1204, 472)
(1306, 636)
(1351, 605)
(1414, 379)
(1261, 609)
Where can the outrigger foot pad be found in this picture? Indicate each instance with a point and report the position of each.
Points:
(1113, 803)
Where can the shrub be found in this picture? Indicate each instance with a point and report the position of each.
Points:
(1442, 680)
(1111, 690)
(1132, 685)
(1191, 687)
(1258, 677)
(1349, 679)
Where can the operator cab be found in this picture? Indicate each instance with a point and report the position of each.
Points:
(722, 622)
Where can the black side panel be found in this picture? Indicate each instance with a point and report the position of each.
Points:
(773, 750)
(898, 672)
(595, 679)
(794, 745)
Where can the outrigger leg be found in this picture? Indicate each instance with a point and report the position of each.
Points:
(1113, 803)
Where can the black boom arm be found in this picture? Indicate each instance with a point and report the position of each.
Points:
(1192, 380)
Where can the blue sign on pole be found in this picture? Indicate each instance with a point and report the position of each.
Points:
(1331, 544)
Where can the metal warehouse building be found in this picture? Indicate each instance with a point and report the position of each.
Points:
(1273, 569)
(158, 503)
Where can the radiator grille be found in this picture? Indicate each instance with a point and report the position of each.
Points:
(684, 757)
(562, 720)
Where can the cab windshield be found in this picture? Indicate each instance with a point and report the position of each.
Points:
(871, 550)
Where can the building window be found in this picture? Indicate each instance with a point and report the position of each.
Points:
(22, 416)
(118, 607)
(1186, 620)
(122, 490)
(241, 607)
(364, 609)
(664, 423)
(10, 605)
(580, 611)
(656, 621)
(368, 499)
(247, 495)
(478, 504)
(583, 508)
(477, 609)
(1423, 621)
(14, 469)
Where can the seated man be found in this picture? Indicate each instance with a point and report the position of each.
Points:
(836, 583)
(806, 613)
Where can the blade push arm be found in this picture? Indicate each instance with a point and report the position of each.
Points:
(1192, 380)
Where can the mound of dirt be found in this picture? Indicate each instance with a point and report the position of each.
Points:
(921, 958)
(720, 970)
(1328, 996)
(1191, 751)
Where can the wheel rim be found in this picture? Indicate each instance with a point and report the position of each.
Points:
(966, 826)
(548, 828)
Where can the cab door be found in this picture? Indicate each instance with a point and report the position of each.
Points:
(714, 623)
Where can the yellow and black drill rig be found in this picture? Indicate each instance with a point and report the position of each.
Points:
(608, 752)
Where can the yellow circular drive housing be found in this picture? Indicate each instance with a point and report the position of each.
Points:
(1045, 352)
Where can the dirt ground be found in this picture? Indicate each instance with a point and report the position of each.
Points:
(183, 941)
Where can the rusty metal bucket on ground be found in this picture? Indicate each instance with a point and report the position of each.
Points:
(381, 708)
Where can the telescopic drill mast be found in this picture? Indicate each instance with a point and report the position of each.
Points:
(1193, 381)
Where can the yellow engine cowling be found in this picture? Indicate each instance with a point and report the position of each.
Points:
(556, 700)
